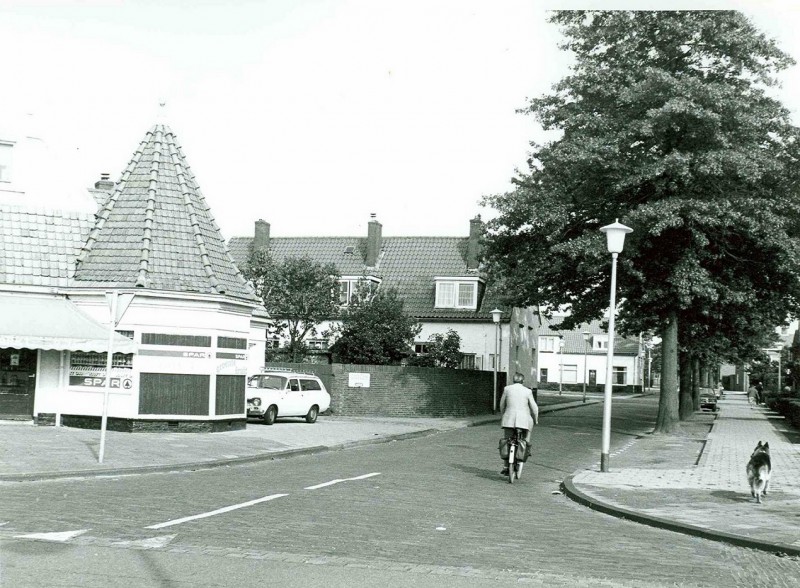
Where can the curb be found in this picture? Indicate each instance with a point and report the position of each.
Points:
(572, 492)
(207, 465)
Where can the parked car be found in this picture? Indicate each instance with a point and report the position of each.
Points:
(274, 394)
(708, 399)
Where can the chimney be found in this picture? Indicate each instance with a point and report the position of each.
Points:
(261, 239)
(104, 183)
(373, 241)
(474, 243)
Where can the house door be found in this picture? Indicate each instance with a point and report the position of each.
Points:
(17, 382)
(592, 377)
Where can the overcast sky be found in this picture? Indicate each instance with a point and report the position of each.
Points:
(310, 114)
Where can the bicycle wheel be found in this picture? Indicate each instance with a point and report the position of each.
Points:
(511, 465)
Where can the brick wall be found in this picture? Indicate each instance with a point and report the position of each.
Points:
(403, 391)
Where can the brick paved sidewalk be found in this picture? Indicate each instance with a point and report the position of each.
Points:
(695, 481)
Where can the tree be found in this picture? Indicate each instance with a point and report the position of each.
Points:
(297, 292)
(377, 331)
(666, 123)
(444, 350)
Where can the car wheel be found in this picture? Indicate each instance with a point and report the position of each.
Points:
(271, 414)
(311, 417)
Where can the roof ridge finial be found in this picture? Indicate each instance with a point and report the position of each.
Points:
(161, 117)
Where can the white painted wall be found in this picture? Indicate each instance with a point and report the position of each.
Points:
(554, 361)
(153, 313)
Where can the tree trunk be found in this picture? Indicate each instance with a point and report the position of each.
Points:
(696, 384)
(667, 419)
(685, 405)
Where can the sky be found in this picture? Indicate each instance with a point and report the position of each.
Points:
(309, 114)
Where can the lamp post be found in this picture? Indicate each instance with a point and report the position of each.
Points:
(586, 336)
(780, 349)
(560, 362)
(496, 313)
(615, 238)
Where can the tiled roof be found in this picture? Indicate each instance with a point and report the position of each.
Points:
(409, 264)
(574, 343)
(37, 247)
(156, 231)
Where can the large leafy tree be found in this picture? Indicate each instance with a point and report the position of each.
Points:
(375, 331)
(668, 123)
(297, 292)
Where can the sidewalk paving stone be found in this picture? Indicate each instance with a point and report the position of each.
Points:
(695, 482)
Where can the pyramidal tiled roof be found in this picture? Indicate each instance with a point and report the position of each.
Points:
(156, 231)
(409, 264)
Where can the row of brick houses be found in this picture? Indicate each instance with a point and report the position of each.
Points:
(187, 328)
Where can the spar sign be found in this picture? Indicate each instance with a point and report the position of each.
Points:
(96, 378)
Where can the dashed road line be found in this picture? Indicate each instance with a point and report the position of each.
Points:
(216, 512)
(332, 482)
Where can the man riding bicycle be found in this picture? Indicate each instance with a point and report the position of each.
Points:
(519, 411)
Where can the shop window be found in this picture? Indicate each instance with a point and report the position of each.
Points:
(91, 359)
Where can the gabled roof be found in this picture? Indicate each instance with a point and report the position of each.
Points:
(409, 264)
(156, 231)
(38, 247)
(574, 343)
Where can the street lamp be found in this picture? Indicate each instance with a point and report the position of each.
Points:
(615, 238)
(560, 362)
(586, 336)
(496, 320)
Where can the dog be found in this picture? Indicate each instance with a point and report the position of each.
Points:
(759, 470)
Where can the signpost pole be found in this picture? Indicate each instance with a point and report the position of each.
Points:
(107, 389)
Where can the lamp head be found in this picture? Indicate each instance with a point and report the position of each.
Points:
(496, 313)
(615, 236)
(586, 335)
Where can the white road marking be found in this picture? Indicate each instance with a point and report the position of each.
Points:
(216, 512)
(151, 543)
(60, 537)
(332, 482)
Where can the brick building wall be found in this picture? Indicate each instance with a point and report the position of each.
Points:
(401, 391)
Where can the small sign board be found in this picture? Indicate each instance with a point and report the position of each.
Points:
(357, 380)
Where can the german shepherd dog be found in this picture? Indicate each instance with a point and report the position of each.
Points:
(759, 470)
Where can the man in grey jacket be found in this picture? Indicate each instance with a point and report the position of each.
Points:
(519, 411)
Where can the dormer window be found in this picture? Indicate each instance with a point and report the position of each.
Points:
(6, 150)
(459, 293)
(352, 288)
(600, 342)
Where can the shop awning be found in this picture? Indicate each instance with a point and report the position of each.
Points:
(35, 322)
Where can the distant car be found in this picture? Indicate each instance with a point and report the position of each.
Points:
(708, 399)
(275, 394)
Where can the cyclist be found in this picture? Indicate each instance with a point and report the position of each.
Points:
(519, 411)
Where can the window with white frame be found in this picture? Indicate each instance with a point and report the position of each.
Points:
(569, 375)
(600, 342)
(352, 289)
(6, 151)
(468, 361)
(618, 375)
(456, 293)
(548, 344)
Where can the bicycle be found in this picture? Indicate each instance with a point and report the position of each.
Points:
(516, 454)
